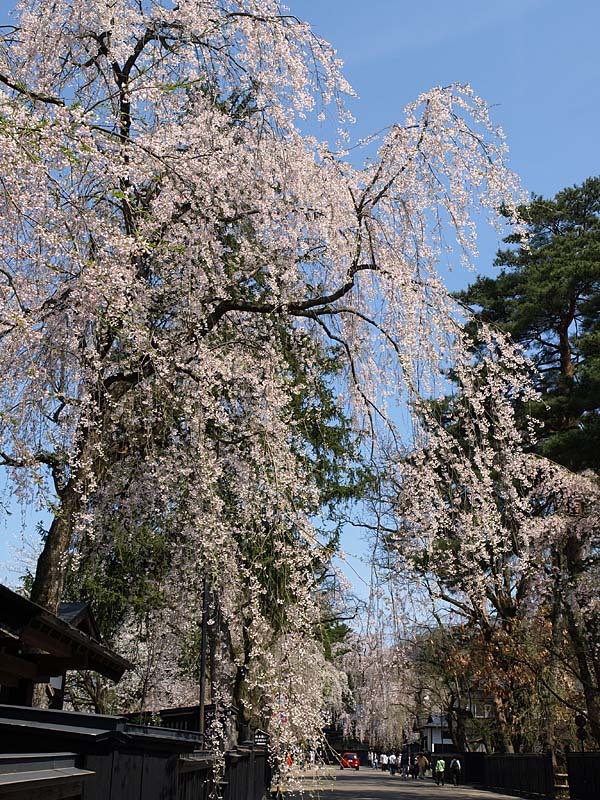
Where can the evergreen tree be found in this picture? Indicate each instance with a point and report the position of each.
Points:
(547, 297)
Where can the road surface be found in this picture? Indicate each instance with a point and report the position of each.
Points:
(369, 784)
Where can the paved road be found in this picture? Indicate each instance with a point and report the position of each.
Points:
(367, 784)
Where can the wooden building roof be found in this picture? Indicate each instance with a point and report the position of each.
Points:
(80, 616)
(35, 644)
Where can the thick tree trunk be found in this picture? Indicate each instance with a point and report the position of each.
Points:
(502, 737)
(241, 671)
(51, 568)
(458, 730)
(584, 657)
(53, 562)
(567, 368)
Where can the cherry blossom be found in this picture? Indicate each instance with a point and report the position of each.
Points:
(164, 218)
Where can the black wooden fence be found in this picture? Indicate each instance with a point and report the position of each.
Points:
(132, 776)
(195, 778)
(584, 775)
(523, 775)
(109, 758)
(471, 766)
(55, 776)
(520, 774)
(529, 775)
(245, 773)
(245, 776)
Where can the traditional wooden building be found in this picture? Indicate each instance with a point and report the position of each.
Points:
(49, 754)
(37, 646)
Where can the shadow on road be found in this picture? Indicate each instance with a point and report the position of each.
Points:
(367, 784)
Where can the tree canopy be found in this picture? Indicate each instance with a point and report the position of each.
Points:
(180, 264)
(547, 297)
(490, 513)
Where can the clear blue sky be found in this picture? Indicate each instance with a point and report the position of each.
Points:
(536, 61)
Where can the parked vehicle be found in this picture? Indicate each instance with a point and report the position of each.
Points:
(350, 761)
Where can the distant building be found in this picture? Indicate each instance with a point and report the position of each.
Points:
(433, 733)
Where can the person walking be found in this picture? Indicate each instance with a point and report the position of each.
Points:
(440, 771)
(404, 763)
(375, 761)
(455, 770)
(392, 763)
(383, 760)
(423, 763)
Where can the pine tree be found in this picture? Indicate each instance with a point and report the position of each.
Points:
(547, 297)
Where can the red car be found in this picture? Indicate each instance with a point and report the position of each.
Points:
(350, 761)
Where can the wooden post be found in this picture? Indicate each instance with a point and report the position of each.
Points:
(203, 649)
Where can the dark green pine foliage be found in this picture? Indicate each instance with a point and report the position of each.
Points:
(547, 296)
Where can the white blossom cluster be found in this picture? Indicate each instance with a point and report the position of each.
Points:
(170, 241)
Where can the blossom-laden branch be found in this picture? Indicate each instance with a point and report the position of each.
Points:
(178, 261)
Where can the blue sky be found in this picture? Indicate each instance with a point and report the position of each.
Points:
(537, 62)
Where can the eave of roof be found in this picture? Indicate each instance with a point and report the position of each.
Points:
(39, 629)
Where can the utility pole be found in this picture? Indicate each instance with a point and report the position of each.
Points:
(203, 648)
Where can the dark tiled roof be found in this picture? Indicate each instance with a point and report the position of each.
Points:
(72, 612)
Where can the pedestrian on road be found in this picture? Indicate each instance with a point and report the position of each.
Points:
(383, 760)
(423, 763)
(404, 765)
(392, 763)
(440, 771)
(414, 768)
(375, 763)
(455, 770)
